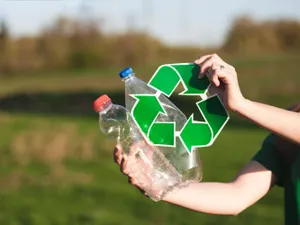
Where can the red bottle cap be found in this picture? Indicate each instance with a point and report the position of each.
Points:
(100, 102)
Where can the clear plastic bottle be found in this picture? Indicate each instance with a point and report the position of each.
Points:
(189, 165)
(154, 173)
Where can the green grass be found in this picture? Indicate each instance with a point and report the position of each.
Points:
(70, 190)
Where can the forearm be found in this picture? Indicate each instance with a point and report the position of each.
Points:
(212, 198)
(280, 121)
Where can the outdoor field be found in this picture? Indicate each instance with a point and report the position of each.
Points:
(56, 168)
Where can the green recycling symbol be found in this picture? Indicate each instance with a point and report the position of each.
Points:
(194, 134)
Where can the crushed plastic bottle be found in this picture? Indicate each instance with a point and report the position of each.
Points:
(189, 165)
(153, 172)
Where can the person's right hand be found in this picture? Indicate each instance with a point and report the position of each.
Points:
(122, 161)
(137, 170)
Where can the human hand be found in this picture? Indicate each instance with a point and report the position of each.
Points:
(224, 79)
(139, 169)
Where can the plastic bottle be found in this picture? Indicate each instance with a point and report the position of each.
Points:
(189, 165)
(154, 173)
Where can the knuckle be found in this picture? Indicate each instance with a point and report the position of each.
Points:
(215, 65)
(230, 67)
(131, 180)
(215, 71)
(123, 168)
(230, 73)
(119, 161)
(116, 160)
(215, 55)
(125, 172)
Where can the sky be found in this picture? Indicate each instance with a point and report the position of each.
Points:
(189, 22)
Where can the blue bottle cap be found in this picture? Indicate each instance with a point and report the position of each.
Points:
(126, 72)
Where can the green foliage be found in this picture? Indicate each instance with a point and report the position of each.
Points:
(249, 37)
(75, 44)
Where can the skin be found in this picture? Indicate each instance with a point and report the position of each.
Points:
(254, 180)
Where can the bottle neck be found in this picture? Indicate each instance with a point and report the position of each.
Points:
(128, 79)
(105, 107)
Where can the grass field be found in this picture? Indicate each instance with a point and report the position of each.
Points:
(57, 168)
(60, 171)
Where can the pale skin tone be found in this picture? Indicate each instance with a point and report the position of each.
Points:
(254, 180)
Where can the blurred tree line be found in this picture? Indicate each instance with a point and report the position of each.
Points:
(249, 37)
(76, 44)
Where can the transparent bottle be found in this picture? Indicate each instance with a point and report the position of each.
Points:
(189, 165)
(153, 172)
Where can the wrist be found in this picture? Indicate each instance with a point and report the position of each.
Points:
(242, 106)
(174, 194)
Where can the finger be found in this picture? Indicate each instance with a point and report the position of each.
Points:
(219, 76)
(142, 191)
(202, 59)
(117, 155)
(215, 80)
(213, 77)
(123, 166)
(204, 68)
(216, 66)
(208, 63)
(218, 72)
(226, 67)
(131, 180)
(134, 183)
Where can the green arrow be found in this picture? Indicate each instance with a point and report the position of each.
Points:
(214, 113)
(163, 134)
(167, 78)
(189, 75)
(202, 134)
(195, 134)
(145, 111)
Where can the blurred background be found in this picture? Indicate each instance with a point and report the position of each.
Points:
(57, 57)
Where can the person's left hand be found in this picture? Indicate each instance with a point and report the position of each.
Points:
(224, 79)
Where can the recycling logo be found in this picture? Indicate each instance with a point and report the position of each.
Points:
(194, 134)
